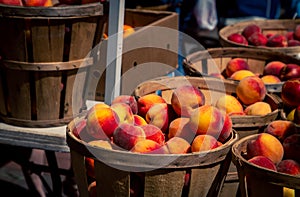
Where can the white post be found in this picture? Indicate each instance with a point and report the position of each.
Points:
(114, 49)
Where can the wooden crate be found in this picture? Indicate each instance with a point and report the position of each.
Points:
(280, 26)
(264, 182)
(42, 49)
(159, 174)
(212, 88)
(214, 60)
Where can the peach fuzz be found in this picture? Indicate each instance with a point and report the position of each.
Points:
(127, 99)
(273, 68)
(158, 115)
(139, 120)
(186, 98)
(145, 146)
(250, 90)
(264, 162)
(146, 101)
(281, 129)
(154, 133)
(229, 104)
(291, 145)
(259, 108)
(178, 145)
(265, 145)
(240, 74)
(204, 143)
(207, 119)
(102, 122)
(234, 65)
(127, 135)
(124, 112)
(289, 166)
(270, 79)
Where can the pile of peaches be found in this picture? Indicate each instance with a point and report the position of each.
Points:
(252, 35)
(276, 148)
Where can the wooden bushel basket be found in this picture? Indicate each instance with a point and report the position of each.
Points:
(160, 175)
(41, 51)
(212, 88)
(264, 182)
(280, 26)
(214, 60)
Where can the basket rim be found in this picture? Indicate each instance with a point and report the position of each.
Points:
(277, 177)
(91, 9)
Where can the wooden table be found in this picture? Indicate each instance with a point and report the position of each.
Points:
(50, 140)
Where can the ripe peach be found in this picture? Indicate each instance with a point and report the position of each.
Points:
(96, 107)
(259, 108)
(270, 79)
(290, 35)
(263, 161)
(124, 112)
(146, 101)
(185, 98)
(179, 127)
(277, 40)
(265, 145)
(281, 129)
(89, 166)
(203, 143)
(297, 32)
(229, 104)
(12, 2)
(101, 143)
(290, 92)
(127, 99)
(158, 115)
(250, 29)
(77, 127)
(38, 3)
(273, 68)
(258, 39)
(207, 119)
(289, 166)
(127, 30)
(240, 74)
(227, 129)
(293, 43)
(291, 145)
(234, 65)
(127, 135)
(178, 145)
(289, 71)
(139, 120)
(154, 133)
(250, 90)
(102, 122)
(145, 146)
(238, 38)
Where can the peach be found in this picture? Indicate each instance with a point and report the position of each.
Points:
(297, 32)
(291, 145)
(226, 130)
(270, 79)
(289, 166)
(281, 129)
(127, 30)
(289, 71)
(89, 166)
(102, 122)
(158, 115)
(234, 65)
(124, 112)
(204, 143)
(258, 39)
(238, 38)
(229, 104)
(293, 43)
(154, 133)
(178, 145)
(146, 101)
(277, 40)
(127, 99)
(127, 135)
(265, 145)
(250, 29)
(250, 90)
(207, 119)
(263, 161)
(290, 35)
(97, 106)
(273, 68)
(92, 189)
(259, 108)
(77, 127)
(186, 98)
(38, 3)
(290, 92)
(139, 120)
(176, 126)
(101, 143)
(12, 2)
(145, 146)
(240, 74)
